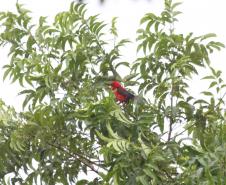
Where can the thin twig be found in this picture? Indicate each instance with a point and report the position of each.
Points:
(79, 157)
(183, 130)
(171, 116)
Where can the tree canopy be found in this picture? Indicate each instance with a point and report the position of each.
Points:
(71, 123)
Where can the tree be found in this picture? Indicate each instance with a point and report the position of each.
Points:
(71, 122)
(101, 1)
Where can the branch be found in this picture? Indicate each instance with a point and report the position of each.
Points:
(79, 157)
(115, 73)
(220, 99)
(178, 133)
(170, 130)
(171, 117)
(183, 130)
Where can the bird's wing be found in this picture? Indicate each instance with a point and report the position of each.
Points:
(125, 92)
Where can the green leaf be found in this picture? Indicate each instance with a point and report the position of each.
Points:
(174, 5)
(148, 17)
(208, 36)
(6, 73)
(212, 84)
(119, 145)
(113, 29)
(111, 132)
(175, 13)
(207, 93)
(148, 171)
(200, 102)
(142, 180)
(101, 136)
(82, 182)
(30, 42)
(208, 78)
(122, 63)
(120, 116)
(115, 177)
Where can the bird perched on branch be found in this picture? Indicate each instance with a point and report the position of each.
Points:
(121, 94)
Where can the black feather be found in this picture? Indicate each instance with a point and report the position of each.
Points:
(125, 93)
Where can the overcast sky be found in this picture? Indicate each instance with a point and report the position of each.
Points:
(199, 16)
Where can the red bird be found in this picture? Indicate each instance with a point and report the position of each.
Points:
(121, 94)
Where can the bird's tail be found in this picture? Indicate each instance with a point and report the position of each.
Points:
(139, 100)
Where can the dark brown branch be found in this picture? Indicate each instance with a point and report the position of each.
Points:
(171, 117)
(178, 133)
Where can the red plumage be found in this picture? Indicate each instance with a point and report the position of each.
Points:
(121, 94)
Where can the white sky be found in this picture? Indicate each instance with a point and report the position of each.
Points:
(199, 16)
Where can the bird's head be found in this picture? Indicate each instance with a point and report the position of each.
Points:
(115, 84)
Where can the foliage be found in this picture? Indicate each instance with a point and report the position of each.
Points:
(71, 122)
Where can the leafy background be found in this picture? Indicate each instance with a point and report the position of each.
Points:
(194, 14)
(71, 122)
